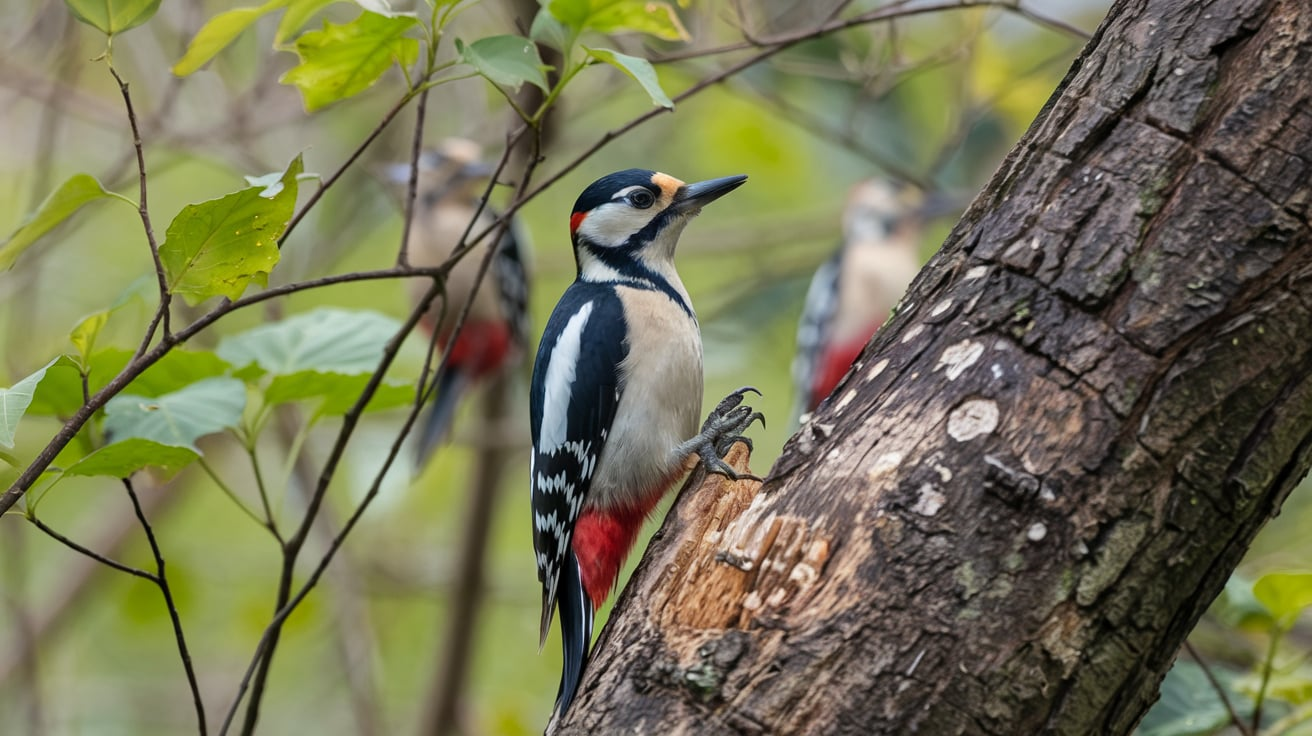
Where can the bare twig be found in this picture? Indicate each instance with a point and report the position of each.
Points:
(412, 186)
(1220, 691)
(355, 640)
(324, 185)
(162, 581)
(102, 559)
(77, 581)
(162, 312)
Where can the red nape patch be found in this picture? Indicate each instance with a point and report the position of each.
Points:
(575, 220)
(482, 347)
(834, 363)
(602, 540)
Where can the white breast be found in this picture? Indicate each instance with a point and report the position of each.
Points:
(661, 403)
(433, 237)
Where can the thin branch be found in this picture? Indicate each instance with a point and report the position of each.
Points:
(102, 559)
(256, 674)
(1220, 691)
(269, 522)
(388, 117)
(162, 313)
(416, 146)
(162, 581)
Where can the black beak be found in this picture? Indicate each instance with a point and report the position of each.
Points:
(692, 197)
(941, 204)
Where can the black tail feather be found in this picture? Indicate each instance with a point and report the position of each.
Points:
(575, 631)
(451, 386)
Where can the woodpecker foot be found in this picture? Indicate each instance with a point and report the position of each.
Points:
(723, 427)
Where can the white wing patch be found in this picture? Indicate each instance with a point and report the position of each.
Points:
(560, 381)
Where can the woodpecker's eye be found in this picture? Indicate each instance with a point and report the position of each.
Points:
(642, 199)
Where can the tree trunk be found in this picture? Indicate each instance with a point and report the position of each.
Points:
(1041, 471)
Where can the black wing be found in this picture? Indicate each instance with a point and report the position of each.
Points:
(571, 405)
(813, 329)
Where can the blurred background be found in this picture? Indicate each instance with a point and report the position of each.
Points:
(933, 101)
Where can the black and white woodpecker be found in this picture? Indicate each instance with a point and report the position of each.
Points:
(452, 181)
(616, 395)
(853, 292)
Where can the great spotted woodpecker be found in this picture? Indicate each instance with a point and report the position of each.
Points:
(853, 292)
(452, 181)
(616, 394)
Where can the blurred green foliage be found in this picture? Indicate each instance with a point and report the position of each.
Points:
(936, 99)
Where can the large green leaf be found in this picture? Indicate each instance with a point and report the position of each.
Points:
(1189, 705)
(1285, 594)
(326, 340)
(344, 60)
(178, 418)
(217, 248)
(640, 70)
(326, 354)
(113, 16)
(506, 60)
(14, 402)
(79, 190)
(620, 16)
(121, 459)
(218, 32)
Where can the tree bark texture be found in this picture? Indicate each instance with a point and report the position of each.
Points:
(1027, 490)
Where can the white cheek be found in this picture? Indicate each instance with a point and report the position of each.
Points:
(611, 225)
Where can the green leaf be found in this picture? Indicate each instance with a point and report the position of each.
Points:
(85, 333)
(218, 32)
(620, 16)
(1285, 594)
(63, 202)
(298, 13)
(14, 402)
(505, 60)
(344, 60)
(113, 16)
(121, 459)
(640, 70)
(326, 354)
(60, 394)
(1189, 705)
(217, 248)
(178, 418)
(325, 340)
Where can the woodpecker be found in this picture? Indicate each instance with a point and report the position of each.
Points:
(616, 394)
(452, 181)
(853, 292)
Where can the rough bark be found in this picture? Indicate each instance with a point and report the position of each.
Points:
(1043, 469)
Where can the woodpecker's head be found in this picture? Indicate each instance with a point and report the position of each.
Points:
(879, 211)
(633, 219)
(453, 171)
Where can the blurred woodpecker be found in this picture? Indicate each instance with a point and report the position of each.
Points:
(853, 292)
(452, 180)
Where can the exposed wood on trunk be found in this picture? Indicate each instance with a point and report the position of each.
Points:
(1020, 500)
